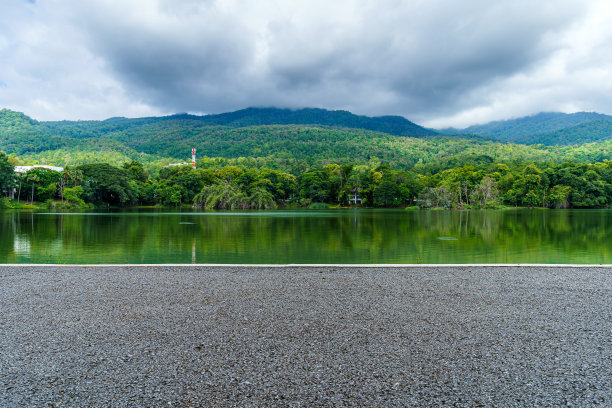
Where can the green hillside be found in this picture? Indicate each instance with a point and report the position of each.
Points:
(549, 128)
(594, 131)
(291, 147)
(242, 165)
(394, 125)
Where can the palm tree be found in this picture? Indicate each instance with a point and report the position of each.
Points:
(33, 178)
(21, 177)
(74, 175)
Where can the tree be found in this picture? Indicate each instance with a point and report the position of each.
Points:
(136, 171)
(221, 196)
(486, 193)
(438, 197)
(369, 181)
(559, 196)
(281, 186)
(73, 175)
(41, 182)
(73, 196)
(528, 187)
(21, 177)
(106, 183)
(460, 181)
(32, 179)
(314, 185)
(7, 175)
(168, 194)
(334, 181)
(387, 193)
(354, 183)
(261, 199)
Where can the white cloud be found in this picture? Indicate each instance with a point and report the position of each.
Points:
(576, 77)
(437, 62)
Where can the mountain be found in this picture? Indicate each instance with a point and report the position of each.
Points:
(549, 128)
(587, 132)
(393, 125)
(10, 120)
(252, 136)
(170, 136)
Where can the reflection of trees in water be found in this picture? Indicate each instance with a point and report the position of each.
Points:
(342, 237)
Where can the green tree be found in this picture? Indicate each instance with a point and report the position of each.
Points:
(485, 194)
(32, 179)
(106, 183)
(222, 196)
(559, 196)
(387, 193)
(261, 199)
(314, 186)
(73, 196)
(69, 176)
(136, 171)
(7, 175)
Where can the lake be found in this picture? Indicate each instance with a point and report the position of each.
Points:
(308, 236)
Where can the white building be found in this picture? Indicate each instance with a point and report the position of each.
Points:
(25, 169)
(355, 198)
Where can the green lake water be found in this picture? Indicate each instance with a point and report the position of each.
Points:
(311, 236)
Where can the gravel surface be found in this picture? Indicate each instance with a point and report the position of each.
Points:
(305, 336)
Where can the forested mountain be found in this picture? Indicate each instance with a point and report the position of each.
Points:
(289, 147)
(21, 135)
(587, 132)
(243, 164)
(394, 125)
(549, 128)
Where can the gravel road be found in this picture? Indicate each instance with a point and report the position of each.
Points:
(162, 336)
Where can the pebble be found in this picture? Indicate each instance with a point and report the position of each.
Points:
(133, 336)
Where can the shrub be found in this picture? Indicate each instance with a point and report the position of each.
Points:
(5, 202)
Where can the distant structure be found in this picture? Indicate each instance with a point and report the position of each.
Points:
(25, 169)
(186, 164)
(355, 198)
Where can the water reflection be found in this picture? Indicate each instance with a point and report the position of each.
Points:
(358, 236)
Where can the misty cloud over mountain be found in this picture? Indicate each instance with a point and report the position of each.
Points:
(435, 62)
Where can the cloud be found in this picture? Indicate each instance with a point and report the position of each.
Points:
(436, 62)
(574, 76)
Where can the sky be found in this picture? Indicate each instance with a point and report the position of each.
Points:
(438, 63)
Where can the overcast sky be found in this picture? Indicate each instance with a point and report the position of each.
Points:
(436, 62)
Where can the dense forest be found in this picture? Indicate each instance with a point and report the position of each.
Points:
(268, 158)
(548, 128)
(294, 148)
(216, 185)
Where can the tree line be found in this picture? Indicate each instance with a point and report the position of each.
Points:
(481, 183)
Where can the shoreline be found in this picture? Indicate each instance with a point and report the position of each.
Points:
(303, 336)
(41, 206)
(222, 265)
